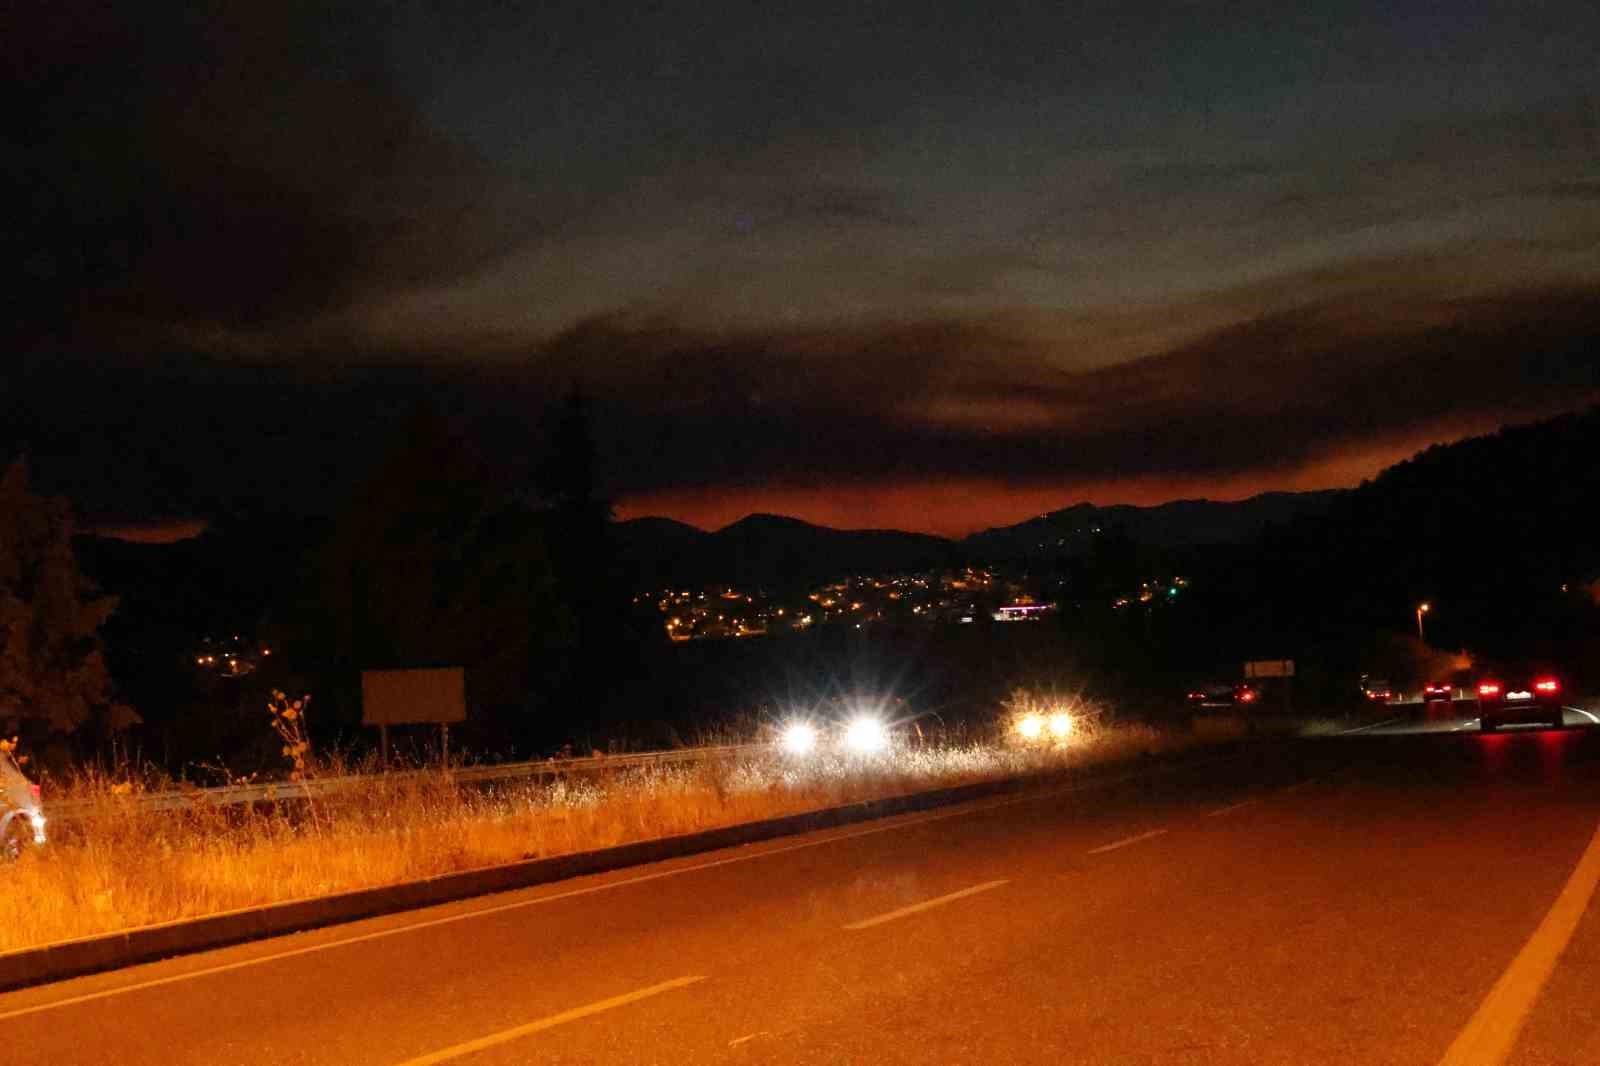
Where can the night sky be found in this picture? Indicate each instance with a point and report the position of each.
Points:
(930, 265)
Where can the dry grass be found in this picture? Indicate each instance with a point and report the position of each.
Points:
(121, 866)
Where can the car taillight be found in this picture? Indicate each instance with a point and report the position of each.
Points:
(1548, 684)
(1246, 696)
(1488, 688)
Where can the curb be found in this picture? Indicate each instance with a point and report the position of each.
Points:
(110, 951)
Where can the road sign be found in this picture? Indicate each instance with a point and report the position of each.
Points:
(413, 697)
(1270, 668)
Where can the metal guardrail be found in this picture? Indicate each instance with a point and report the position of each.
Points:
(274, 791)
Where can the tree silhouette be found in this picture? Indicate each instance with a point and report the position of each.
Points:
(52, 671)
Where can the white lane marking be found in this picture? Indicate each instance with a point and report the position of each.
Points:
(1220, 811)
(519, 1031)
(1468, 724)
(927, 904)
(977, 807)
(1364, 728)
(1125, 842)
(746, 1039)
(1492, 1032)
(1585, 713)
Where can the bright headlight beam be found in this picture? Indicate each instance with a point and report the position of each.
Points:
(799, 738)
(1060, 724)
(1030, 726)
(866, 734)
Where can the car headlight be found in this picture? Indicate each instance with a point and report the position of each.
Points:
(1030, 726)
(37, 820)
(799, 738)
(1060, 725)
(866, 734)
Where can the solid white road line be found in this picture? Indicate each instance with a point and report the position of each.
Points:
(1492, 1032)
(1583, 712)
(1220, 811)
(1125, 842)
(517, 1032)
(977, 807)
(927, 904)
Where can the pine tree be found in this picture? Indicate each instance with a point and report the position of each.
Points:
(52, 671)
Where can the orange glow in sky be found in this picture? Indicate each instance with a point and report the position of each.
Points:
(954, 507)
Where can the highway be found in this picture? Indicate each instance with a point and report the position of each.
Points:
(1391, 896)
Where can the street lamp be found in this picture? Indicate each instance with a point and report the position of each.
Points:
(1422, 609)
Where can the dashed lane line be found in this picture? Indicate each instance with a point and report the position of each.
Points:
(1126, 841)
(517, 1032)
(927, 904)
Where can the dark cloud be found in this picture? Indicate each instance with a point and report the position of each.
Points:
(914, 406)
(831, 247)
(209, 165)
(959, 399)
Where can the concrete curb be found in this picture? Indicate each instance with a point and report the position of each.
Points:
(75, 958)
(110, 951)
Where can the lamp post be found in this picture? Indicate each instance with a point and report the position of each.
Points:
(1422, 609)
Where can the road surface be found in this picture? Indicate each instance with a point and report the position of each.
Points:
(1355, 899)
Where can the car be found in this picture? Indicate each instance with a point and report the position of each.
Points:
(1438, 692)
(22, 819)
(1520, 694)
(1219, 694)
(1377, 690)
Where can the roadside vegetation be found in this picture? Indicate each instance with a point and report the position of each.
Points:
(121, 865)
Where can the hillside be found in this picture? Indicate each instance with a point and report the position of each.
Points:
(1179, 524)
(768, 551)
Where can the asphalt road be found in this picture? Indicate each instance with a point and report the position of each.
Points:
(1355, 899)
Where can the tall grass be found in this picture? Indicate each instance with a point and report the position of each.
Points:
(122, 866)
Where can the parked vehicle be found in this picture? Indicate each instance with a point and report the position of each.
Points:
(22, 821)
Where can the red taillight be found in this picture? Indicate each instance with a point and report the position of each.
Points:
(1488, 688)
(1246, 696)
(1547, 684)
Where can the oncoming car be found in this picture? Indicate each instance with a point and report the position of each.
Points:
(1519, 695)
